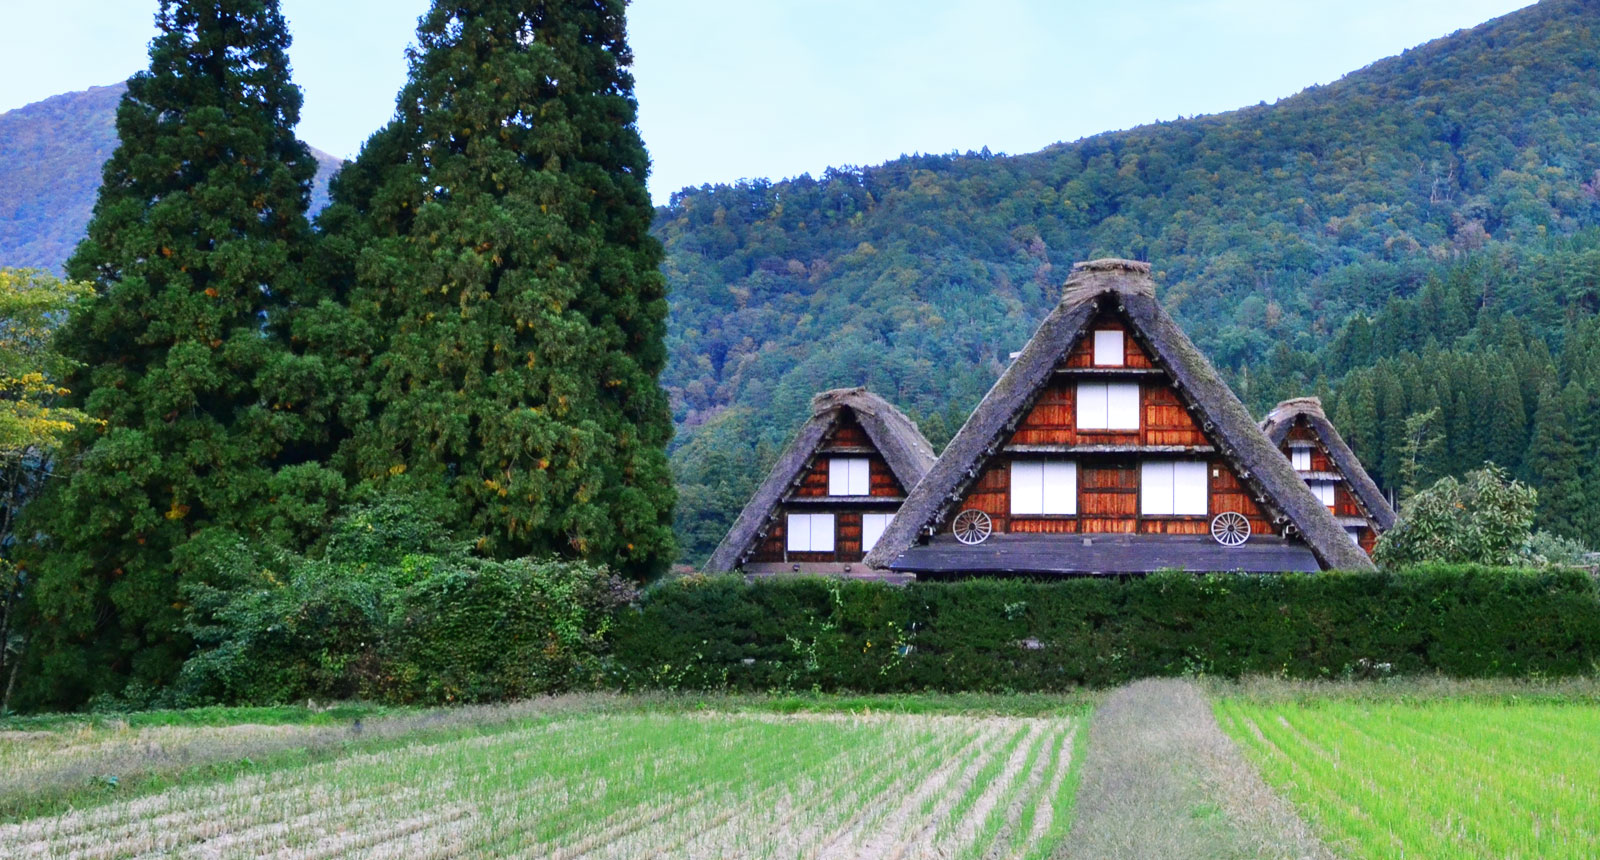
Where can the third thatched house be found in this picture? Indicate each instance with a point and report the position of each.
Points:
(1302, 431)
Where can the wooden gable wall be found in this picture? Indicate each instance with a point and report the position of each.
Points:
(1344, 501)
(847, 439)
(1108, 484)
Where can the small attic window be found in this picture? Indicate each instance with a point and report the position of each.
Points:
(1301, 458)
(1108, 349)
(849, 476)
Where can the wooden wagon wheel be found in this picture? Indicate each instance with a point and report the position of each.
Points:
(1230, 528)
(972, 527)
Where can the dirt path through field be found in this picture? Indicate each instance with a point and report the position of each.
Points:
(1160, 779)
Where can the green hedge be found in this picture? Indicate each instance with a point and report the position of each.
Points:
(993, 635)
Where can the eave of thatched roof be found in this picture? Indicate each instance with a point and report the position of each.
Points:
(895, 436)
(1371, 499)
(1126, 287)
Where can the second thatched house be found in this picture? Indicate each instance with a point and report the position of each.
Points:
(832, 492)
(1302, 431)
(1111, 446)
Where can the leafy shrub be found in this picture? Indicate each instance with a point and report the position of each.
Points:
(1546, 548)
(393, 611)
(1487, 518)
(1017, 635)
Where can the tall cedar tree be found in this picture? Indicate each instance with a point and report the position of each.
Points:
(193, 248)
(497, 234)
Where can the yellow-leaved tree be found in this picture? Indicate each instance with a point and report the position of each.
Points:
(32, 424)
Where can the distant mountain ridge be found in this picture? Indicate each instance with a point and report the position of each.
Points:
(51, 153)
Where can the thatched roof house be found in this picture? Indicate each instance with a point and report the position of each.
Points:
(1302, 432)
(1110, 446)
(832, 492)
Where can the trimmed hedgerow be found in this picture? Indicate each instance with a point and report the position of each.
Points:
(991, 635)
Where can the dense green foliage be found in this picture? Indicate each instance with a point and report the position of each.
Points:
(714, 633)
(1485, 518)
(478, 328)
(393, 611)
(193, 249)
(51, 157)
(1502, 346)
(494, 242)
(1269, 227)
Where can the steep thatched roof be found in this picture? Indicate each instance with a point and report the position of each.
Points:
(1367, 495)
(1126, 287)
(895, 436)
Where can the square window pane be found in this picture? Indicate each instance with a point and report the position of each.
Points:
(1122, 406)
(1301, 458)
(1060, 488)
(1108, 349)
(1155, 488)
(1027, 487)
(848, 476)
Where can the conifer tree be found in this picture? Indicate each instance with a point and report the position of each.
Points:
(193, 248)
(513, 288)
(1557, 460)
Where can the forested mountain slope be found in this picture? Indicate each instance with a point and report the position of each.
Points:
(1269, 227)
(50, 157)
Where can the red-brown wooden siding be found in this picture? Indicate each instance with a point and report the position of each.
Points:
(1108, 484)
(848, 439)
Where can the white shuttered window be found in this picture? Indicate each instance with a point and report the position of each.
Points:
(1044, 487)
(1301, 457)
(1323, 490)
(849, 476)
(1108, 349)
(1169, 488)
(1108, 405)
(872, 526)
(810, 532)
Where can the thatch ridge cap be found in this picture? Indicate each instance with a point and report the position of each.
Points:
(1110, 275)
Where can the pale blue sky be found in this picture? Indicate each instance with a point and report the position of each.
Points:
(744, 88)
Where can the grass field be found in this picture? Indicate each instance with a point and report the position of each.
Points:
(1438, 777)
(629, 784)
(1176, 769)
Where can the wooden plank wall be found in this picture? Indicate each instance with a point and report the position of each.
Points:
(1108, 496)
(1108, 485)
(1053, 420)
(847, 434)
(1108, 501)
